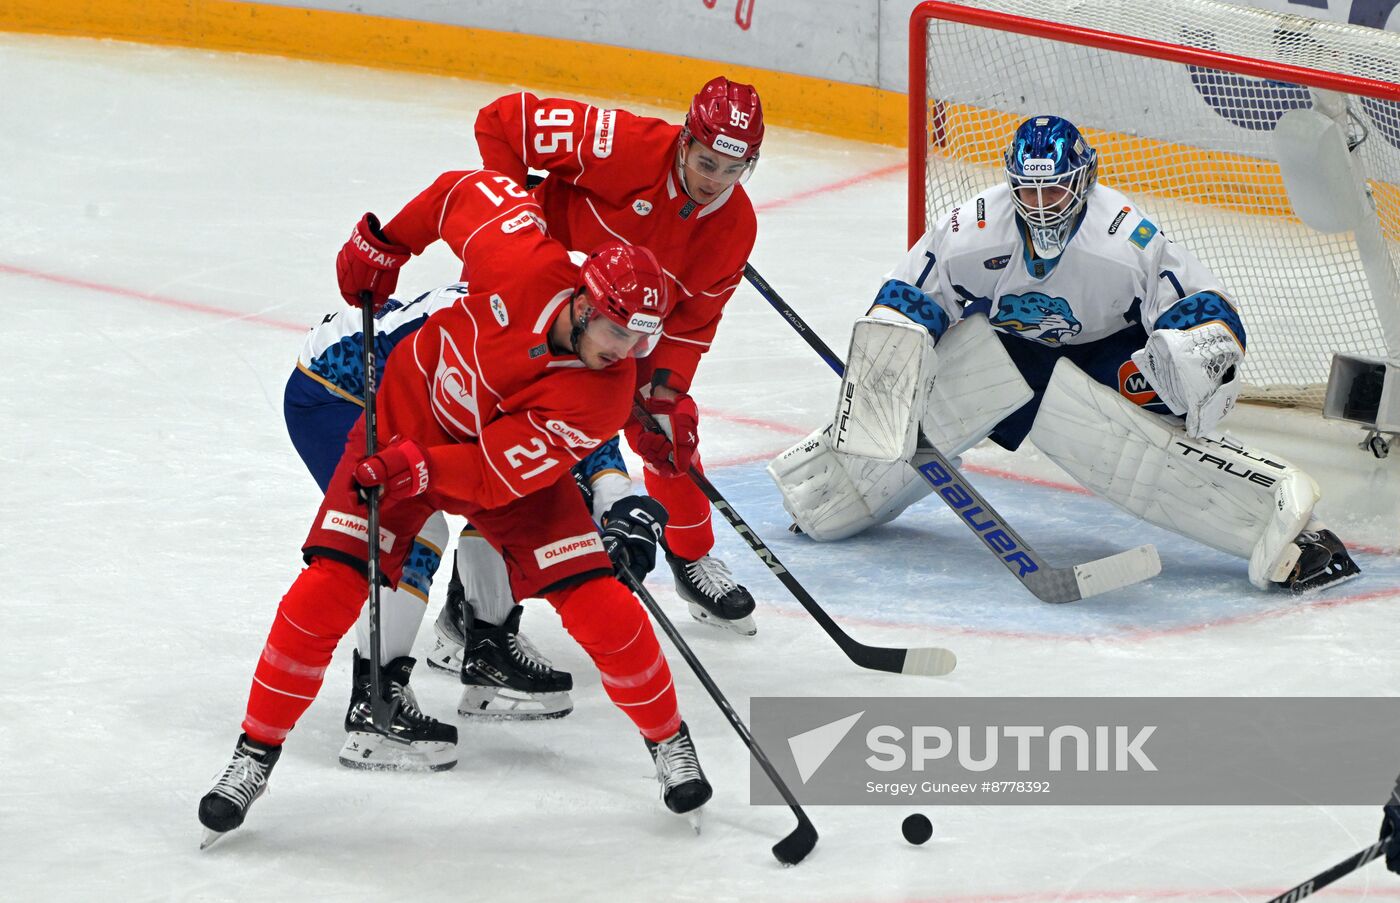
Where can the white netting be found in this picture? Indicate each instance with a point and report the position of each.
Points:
(1192, 145)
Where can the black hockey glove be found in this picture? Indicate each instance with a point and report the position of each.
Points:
(1390, 827)
(632, 529)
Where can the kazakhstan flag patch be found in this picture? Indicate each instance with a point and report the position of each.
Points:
(1142, 233)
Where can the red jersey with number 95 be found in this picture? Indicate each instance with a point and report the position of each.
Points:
(612, 175)
(477, 385)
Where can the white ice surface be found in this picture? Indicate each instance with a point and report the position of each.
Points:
(171, 218)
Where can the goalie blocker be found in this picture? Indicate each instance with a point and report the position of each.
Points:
(1213, 490)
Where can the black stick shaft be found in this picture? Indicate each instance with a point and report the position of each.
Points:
(1342, 869)
(380, 710)
(742, 729)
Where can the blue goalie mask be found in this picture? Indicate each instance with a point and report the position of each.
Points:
(1051, 170)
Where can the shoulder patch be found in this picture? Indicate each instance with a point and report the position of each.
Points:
(997, 263)
(1142, 234)
(1118, 220)
(603, 134)
(641, 207)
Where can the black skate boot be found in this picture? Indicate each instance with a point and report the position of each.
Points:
(713, 594)
(448, 631)
(683, 785)
(415, 742)
(1322, 562)
(504, 677)
(244, 779)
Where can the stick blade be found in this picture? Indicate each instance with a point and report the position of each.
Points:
(1117, 571)
(795, 847)
(929, 661)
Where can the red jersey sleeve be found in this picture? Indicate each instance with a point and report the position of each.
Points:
(690, 328)
(568, 417)
(478, 213)
(592, 148)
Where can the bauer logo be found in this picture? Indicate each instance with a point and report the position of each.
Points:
(358, 527)
(603, 134)
(997, 537)
(1077, 751)
(572, 437)
(567, 548)
(734, 147)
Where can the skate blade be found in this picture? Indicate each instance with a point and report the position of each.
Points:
(694, 819)
(375, 752)
(211, 837)
(743, 626)
(445, 656)
(498, 704)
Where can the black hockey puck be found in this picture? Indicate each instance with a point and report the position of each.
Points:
(917, 828)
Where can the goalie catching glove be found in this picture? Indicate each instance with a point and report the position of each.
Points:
(632, 529)
(1194, 371)
(399, 468)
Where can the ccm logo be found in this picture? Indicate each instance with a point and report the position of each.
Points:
(570, 547)
(734, 147)
(358, 527)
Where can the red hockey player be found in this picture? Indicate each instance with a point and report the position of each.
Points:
(676, 190)
(484, 411)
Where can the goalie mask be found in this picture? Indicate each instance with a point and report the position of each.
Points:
(1051, 170)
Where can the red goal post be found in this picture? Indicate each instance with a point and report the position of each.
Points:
(1182, 100)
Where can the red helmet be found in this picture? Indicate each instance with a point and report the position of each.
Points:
(628, 286)
(726, 117)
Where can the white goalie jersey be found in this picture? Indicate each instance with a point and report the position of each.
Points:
(1118, 269)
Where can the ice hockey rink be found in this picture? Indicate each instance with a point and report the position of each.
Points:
(171, 220)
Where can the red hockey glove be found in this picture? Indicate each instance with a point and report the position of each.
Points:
(400, 468)
(369, 263)
(671, 452)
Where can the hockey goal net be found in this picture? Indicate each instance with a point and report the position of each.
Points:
(1181, 100)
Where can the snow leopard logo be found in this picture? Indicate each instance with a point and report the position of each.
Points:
(1037, 316)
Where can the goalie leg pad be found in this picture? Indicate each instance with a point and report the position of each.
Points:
(889, 367)
(1217, 492)
(831, 495)
(977, 387)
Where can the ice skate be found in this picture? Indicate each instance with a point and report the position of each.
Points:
(714, 596)
(448, 633)
(504, 677)
(415, 742)
(244, 779)
(1322, 562)
(684, 788)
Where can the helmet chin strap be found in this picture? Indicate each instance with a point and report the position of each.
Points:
(577, 324)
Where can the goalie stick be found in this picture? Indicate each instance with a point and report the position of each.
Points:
(929, 661)
(1048, 584)
(793, 848)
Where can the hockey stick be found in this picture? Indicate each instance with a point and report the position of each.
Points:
(381, 709)
(793, 848)
(931, 661)
(1342, 869)
(1048, 584)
